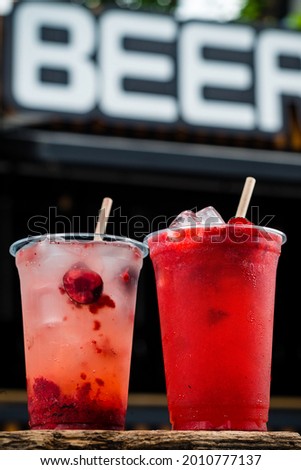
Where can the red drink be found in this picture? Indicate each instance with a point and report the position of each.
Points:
(216, 289)
(78, 302)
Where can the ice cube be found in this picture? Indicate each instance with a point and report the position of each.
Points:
(209, 217)
(184, 219)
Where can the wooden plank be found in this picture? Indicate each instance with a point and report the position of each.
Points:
(157, 439)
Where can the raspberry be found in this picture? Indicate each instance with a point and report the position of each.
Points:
(239, 220)
(83, 285)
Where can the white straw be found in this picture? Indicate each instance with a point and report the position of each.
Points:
(245, 197)
(103, 216)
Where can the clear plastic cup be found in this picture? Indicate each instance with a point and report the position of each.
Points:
(78, 296)
(216, 293)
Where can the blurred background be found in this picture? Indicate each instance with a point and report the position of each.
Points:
(103, 98)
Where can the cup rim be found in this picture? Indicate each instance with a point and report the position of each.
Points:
(77, 236)
(249, 226)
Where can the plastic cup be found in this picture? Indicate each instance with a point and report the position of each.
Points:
(78, 304)
(216, 294)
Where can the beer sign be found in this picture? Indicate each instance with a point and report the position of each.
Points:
(145, 67)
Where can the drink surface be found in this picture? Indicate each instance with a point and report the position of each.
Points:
(216, 290)
(78, 303)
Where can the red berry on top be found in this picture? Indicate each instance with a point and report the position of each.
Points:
(82, 285)
(239, 220)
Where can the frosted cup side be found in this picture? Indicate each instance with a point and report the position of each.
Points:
(216, 294)
(78, 295)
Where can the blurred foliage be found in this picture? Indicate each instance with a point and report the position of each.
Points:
(271, 11)
(259, 11)
(158, 5)
(293, 21)
(253, 10)
(265, 11)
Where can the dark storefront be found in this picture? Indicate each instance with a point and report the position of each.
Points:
(57, 165)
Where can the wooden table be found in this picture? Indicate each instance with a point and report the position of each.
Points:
(144, 440)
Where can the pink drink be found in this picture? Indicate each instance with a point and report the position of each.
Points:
(216, 288)
(78, 303)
